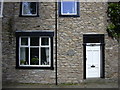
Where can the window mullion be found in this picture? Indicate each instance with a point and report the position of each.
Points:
(29, 48)
(44, 46)
(19, 48)
(49, 51)
(22, 8)
(75, 7)
(20, 41)
(39, 50)
(62, 7)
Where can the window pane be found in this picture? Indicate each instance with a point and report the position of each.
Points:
(45, 56)
(33, 6)
(24, 41)
(0, 4)
(34, 41)
(34, 56)
(29, 8)
(68, 7)
(44, 41)
(24, 56)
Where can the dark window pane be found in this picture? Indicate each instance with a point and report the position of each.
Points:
(34, 41)
(33, 7)
(44, 41)
(24, 56)
(24, 41)
(69, 7)
(34, 56)
(45, 56)
(29, 8)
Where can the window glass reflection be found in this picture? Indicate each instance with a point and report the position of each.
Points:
(68, 7)
(29, 8)
(44, 41)
(34, 41)
(34, 56)
(24, 41)
(24, 56)
(45, 56)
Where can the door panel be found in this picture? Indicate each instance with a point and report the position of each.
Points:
(92, 61)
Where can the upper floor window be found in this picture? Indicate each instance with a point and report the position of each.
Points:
(1, 7)
(34, 50)
(29, 9)
(68, 8)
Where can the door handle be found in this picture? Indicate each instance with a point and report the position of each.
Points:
(92, 66)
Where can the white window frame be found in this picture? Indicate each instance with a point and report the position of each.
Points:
(69, 13)
(1, 8)
(40, 46)
(28, 14)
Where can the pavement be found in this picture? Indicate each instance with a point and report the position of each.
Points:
(91, 83)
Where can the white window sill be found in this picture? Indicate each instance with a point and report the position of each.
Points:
(1, 16)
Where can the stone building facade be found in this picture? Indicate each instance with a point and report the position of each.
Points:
(73, 34)
(1, 5)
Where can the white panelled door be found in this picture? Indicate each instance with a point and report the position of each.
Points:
(93, 61)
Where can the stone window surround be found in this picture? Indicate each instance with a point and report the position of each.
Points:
(1, 8)
(68, 15)
(29, 15)
(31, 33)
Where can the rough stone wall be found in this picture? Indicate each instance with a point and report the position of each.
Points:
(11, 23)
(8, 50)
(0, 52)
(45, 21)
(70, 39)
(111, 58)
(92, 20)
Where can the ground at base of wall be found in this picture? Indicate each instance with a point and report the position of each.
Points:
(84, 84)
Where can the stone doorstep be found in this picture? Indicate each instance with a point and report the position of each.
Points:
(100, 80)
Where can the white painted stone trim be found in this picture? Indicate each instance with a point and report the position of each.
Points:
(1, 9)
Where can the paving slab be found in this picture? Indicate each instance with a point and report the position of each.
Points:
(82, 85)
